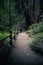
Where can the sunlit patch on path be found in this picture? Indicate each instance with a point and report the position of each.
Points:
(23, 41)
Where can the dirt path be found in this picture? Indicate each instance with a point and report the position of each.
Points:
(23, 40)
(22, 53)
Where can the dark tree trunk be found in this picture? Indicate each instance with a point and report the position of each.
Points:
(41, 5)
(27, 17)
(36, 10)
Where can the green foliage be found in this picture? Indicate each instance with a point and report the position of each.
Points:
(38, 28)
(36, 31)
(35, 28)
(37, 44)
(3, 34)
(9, 15)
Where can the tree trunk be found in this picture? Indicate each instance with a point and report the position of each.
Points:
(36, 10)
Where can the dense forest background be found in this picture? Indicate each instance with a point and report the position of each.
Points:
(20, 13)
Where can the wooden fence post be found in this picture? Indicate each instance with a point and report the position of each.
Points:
(14, 36)
(10, 37)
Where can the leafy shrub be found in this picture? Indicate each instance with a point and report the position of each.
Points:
(36, 31)
(33, 26)
(36, 28)
(37, 44)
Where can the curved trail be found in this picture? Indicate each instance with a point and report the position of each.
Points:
(22, 53)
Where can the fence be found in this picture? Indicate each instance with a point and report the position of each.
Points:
(9, 42)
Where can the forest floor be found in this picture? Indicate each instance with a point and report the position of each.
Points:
(22, 54)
